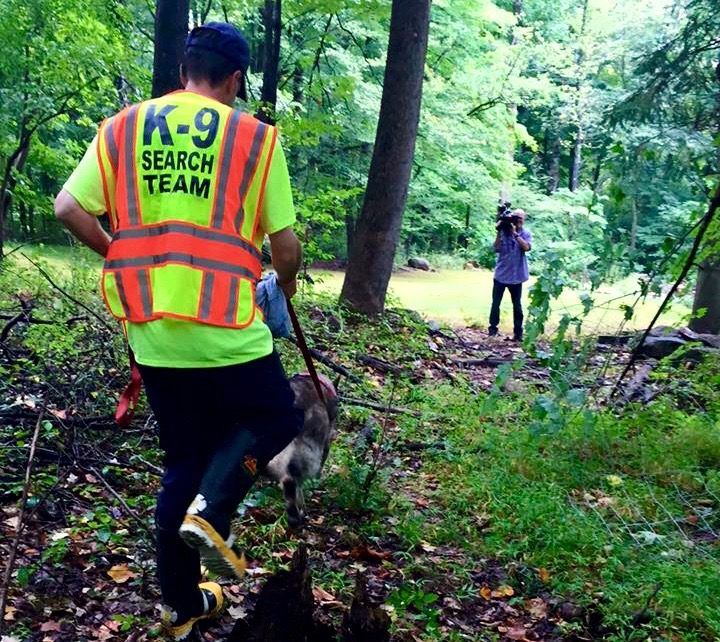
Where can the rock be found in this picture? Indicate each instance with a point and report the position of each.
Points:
(419, 264)
(658, 347)
(433, 327)
(697, 354)
(711, 340)
(662, 331)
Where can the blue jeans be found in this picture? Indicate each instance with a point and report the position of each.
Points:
(516, 296)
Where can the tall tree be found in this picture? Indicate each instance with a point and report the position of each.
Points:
(171, 27)
(272, 21)
(378, 228)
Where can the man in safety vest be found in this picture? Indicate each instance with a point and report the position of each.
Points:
(191, 187)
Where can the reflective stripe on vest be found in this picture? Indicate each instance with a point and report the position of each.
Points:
(184, 181)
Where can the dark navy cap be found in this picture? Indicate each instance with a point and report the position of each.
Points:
(227, 41)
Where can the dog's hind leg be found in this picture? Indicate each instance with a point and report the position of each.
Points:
(294, 503)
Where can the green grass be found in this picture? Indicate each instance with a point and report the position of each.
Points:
(463, 297)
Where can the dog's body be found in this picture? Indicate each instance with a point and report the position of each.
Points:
(304, 457)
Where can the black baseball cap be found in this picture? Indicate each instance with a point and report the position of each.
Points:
(225, 40)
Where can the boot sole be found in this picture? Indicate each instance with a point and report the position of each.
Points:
(215, 553)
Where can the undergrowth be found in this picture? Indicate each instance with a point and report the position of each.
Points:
(612, 508)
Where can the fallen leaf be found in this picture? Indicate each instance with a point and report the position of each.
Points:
(537, 607)
(237, 612)
(516, 633)
(544, 575)
(324, 598)
(9, 613)
(485, 592)
(50, 626)
(13, 522)
(7, 638)
(120, 573)
(503, 591)
(60, 414)
(692, 519)
(369, 554)
(257, 571)
(452, 604)
(427, 547)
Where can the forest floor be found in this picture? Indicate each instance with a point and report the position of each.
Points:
(474, 509)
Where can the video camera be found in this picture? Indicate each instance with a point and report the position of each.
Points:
(505, 217)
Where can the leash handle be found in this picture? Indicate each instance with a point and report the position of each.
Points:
(302, 344)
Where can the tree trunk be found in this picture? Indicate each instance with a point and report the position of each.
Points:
(553, 165)
(633, 226)
(707, 295)
(272, 19)
(14, 164)
(171, 28)
(378, 227)
(576, 161)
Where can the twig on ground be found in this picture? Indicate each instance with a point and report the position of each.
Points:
(18, 529)
(374, 467)
(327, 361)
(377, 406)
(639, 617)
(123, 503)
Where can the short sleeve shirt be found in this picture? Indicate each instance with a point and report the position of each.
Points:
(174, 343)
(511, 265)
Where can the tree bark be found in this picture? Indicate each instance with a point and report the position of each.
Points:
(378, 227)
(14, 165)
(707, 295)
(576, 160)
(171, 27)
(553, 165)
(272, 19)
(633, 225)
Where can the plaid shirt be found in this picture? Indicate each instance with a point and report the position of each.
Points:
(511, 266)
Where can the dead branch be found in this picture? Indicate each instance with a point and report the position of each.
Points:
(18, 529)
(377, 406)
(327, 361)
(69, 296)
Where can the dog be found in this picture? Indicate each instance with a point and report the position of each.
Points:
(305, 456)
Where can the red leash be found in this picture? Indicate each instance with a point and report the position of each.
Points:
(302, 344)
(129, 398)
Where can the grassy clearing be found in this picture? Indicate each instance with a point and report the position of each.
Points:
(457, 297)
(463, 297)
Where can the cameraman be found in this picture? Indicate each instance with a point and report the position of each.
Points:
(512, 242)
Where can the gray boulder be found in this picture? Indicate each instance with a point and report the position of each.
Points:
(419, 264)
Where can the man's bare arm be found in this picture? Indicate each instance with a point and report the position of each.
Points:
(286, 258)
(83, 225)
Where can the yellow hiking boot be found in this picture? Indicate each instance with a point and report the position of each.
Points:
(186, 631)
(217, 554)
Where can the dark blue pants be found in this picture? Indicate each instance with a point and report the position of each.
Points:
(516, 296)
(210, 420)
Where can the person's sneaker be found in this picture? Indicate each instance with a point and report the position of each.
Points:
(492, 332)
(217, 554)
(187, 631)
